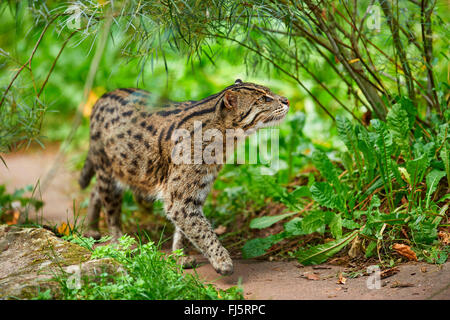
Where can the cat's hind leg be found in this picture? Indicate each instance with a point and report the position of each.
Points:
(111, 199)
(93, 215)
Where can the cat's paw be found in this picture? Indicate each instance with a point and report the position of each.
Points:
(223, 264)
(225, 269)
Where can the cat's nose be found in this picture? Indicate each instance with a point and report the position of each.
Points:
(285, 101)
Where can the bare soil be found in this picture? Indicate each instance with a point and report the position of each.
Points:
(30, 168)
(265, 280)
(259, 279)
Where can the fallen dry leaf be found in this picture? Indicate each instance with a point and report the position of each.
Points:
(311, 276)
(389, 272)
(444, 237)
(64, 229)
(220, 230)
(339, 261)
(321, 267)
(405, 251)
(355, 249)
(341, 279)
(366, 117)
(398, 284)
(14, 218)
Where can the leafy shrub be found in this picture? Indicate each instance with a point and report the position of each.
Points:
(393, 183)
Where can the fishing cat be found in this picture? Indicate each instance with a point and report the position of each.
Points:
(132, 146)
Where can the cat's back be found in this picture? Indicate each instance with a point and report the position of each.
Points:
(132, 136)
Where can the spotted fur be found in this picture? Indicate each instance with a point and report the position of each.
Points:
(131, 145)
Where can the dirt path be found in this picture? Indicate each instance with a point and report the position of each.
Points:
(285, 280)
(29, 169)
(259, 279)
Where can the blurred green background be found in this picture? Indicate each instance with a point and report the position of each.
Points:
(240, 194)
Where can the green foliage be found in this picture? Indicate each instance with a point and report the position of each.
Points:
(404, 169)
(257, 247)
(145, 274)
(264, 222)
(323, 252)
(326, 196)
(41, 40)
(17, 199)
(397, 121)
(396, 168)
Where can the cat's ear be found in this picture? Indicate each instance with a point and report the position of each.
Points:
(238, 81)
(230, 99)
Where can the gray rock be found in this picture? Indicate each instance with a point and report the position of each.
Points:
(32, 258)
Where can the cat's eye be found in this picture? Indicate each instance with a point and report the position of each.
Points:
(268, 99)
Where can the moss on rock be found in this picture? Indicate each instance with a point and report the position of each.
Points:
(32, 257)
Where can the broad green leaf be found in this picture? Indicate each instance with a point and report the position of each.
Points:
(278, 192)
(366, 146)
(300, 192)
(314, 222)
(264, 222)
(445, 156)
(427, 149)
(397, 121)
(294, 227)
(347, 161)
(424, 232)
(346, 133)
(410, 109)
(446, 197)
(405, 174)
(257, 247)
(383, 150)
(336, 226)
(443, 134)
(325, 195)
(416, 168)
(320, 253)
(383, 140)
(375, 202)
(350, 224)
(432, 180)
(326, 168)
(370, 249)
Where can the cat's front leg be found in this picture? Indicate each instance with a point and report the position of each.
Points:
(179, 243)
(187, 215)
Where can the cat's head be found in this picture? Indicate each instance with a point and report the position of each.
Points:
(250, 106)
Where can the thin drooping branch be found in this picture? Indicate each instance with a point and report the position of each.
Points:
(87, 88)
(339, 73)
(28, 63)
(372, 70)
(304, 67)
(394, 27)
(55, 61)
(427, 40)
(277, 66)
(329, 62)
(366, 87)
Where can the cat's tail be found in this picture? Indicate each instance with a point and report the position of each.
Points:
(87, 173)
